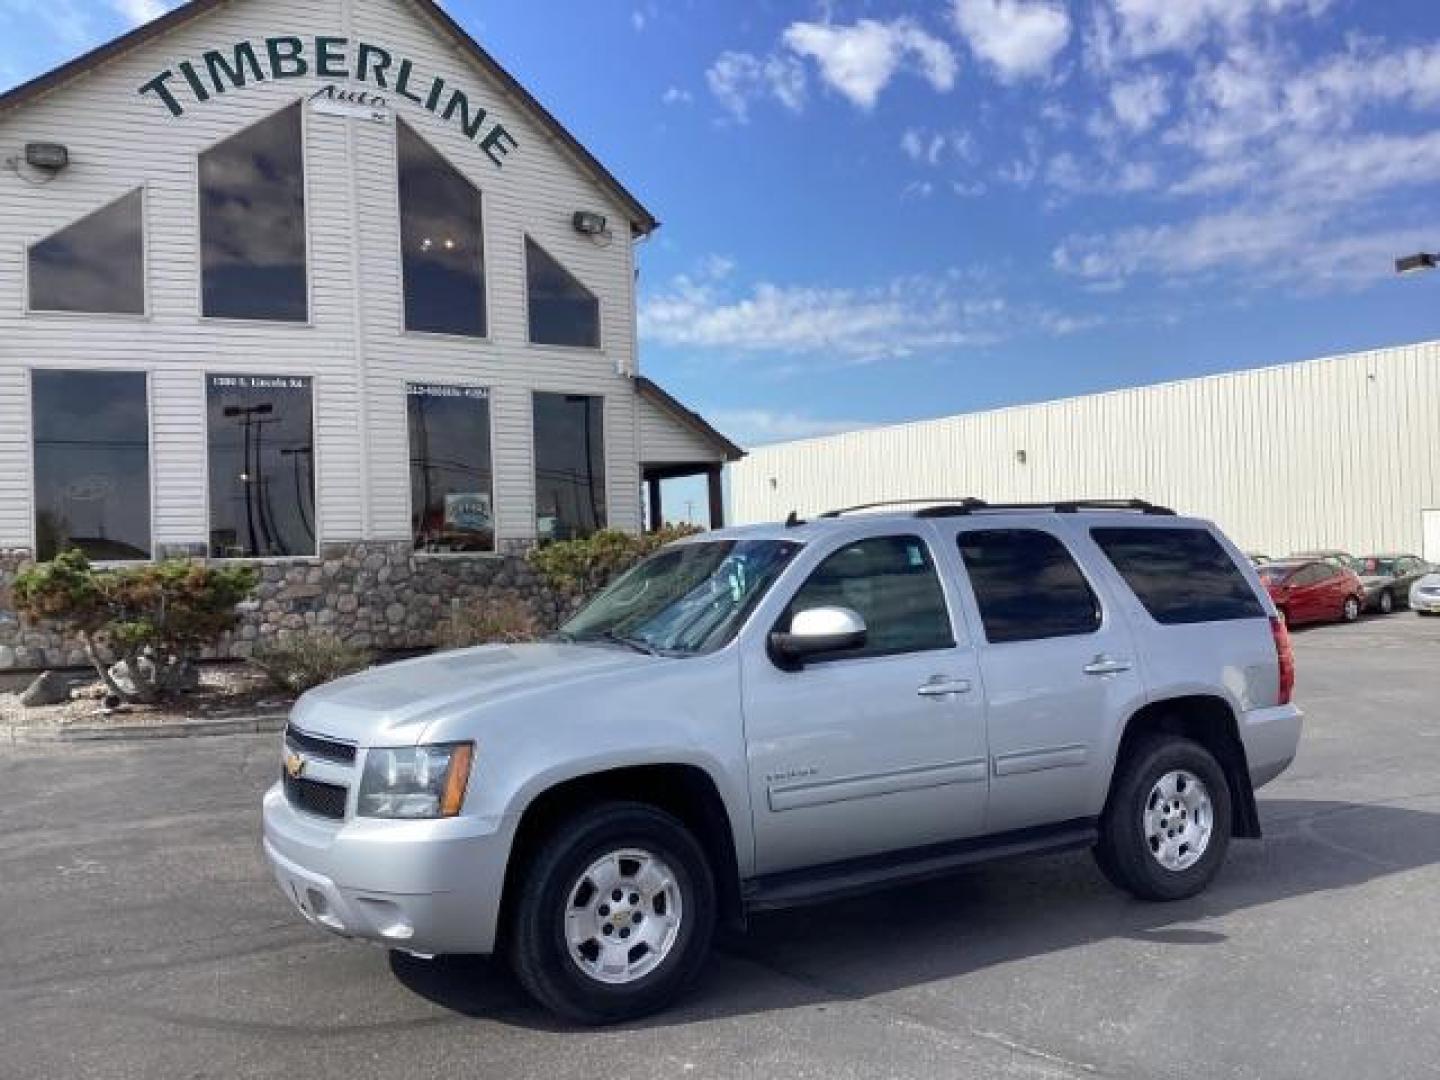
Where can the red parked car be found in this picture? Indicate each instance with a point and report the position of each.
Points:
(1313, 590)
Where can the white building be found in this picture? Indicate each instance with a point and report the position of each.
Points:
(1335, 453)
(316, 283)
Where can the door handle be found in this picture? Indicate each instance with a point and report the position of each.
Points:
(1107, 665)
(942, 687)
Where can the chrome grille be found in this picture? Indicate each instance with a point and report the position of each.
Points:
(326, 749)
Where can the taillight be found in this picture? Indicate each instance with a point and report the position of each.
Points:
(1285, 658)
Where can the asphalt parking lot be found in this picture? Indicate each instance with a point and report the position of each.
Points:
(140, 936)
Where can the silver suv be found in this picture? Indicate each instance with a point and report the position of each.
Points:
(765, 717)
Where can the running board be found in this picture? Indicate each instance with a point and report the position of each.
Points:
(834, 881)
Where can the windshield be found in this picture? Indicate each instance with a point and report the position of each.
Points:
(1379, 567)
(684, 600)
(1272, 574)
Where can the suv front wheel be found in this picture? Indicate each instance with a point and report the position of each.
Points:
(615, 914)
(1167, 826)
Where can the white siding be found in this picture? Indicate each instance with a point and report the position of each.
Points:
(1339, 452)
(355, 346)
(664, 440)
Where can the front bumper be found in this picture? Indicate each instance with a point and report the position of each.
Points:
(1272, 738)
(423, 886)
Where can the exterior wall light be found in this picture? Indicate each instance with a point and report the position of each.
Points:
(1415, 264)
(47, 157)
(589, 223)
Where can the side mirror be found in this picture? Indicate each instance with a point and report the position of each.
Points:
(818, 631)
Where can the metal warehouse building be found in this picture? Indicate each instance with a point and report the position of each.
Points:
(316, 284)
(1342, 452)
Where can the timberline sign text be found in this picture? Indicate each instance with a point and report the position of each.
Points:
(219, 71)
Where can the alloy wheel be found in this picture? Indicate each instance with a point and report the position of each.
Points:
(1178, 820)
(623, 916)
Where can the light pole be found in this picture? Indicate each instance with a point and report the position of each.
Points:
(1417, 264)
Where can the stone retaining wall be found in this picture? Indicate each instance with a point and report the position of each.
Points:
(374, 595)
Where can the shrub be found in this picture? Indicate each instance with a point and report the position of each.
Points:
(585, 566)
(151, 622)
(302, 661)
(507, 621)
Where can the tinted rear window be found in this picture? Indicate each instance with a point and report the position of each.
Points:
(1180, 575)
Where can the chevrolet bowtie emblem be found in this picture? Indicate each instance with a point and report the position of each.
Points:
(294, 766)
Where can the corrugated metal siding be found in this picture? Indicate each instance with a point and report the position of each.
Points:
(355, 346)
(1341, 452)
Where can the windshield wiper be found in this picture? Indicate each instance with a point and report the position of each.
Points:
(637, 644)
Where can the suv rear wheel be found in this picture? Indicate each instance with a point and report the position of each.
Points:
(615, 914)
(1167, 826)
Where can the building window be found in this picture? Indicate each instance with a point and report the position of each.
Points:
(562, 311)
(441, 241)
(96, 265)
(569, 466)
(451, 480)
(262, 466)
(252, 223)
(92, 464)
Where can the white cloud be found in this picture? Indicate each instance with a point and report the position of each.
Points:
(756, 427)
(677, 95)
(1297, 246)
(1066, 173)
(859, 61)
(934, 147)
(738, 79)
(66, 19)
(1139, 102)
(1018, 38)
(831, 325)
(141, 11)
(1146, 27)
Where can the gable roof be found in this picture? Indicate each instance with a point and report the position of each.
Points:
(642, 222)
(656, 395)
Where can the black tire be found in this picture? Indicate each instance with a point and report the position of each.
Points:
(1124, 854)
(1350, 610)
(1386, 603)
(539, 949)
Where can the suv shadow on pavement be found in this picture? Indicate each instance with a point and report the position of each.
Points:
(949, 928)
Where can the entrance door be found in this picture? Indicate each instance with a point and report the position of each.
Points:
(878, 748)
(1431, 522)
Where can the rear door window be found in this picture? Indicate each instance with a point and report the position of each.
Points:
(1027, 586)
(1181, 575)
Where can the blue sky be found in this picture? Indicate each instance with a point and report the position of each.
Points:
(877, 211)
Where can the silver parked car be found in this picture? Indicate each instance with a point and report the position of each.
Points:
(1388, 580)
(1425, 595)
(772, 716)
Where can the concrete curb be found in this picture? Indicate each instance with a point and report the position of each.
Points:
(183, 729)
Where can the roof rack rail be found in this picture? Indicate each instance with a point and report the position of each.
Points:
(1064, 506)
(947, 501)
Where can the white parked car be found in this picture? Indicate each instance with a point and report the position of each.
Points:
(1425, 595)
(765, 717)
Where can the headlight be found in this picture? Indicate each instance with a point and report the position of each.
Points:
(415, 781)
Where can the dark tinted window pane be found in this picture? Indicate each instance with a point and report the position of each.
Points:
(562, 311)
(262, 466)
(569, 466)
(1027, 585)
(1180, 575)
(451, 493)
(441, 241)
(94, 265)
(92, 464)
(891, 582)
(252, 222)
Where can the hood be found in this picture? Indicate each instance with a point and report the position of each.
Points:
(396, 702)
(1429, 581)
(1376, 579)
